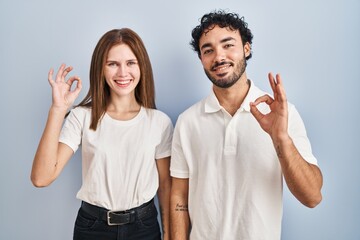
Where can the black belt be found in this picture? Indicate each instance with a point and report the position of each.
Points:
(119, 217)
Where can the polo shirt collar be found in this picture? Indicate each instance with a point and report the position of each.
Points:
(212, 103)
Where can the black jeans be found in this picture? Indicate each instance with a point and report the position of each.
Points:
(88, 227)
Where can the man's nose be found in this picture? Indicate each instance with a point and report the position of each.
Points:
(219, 55)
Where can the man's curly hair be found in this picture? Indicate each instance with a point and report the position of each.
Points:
(222, 19)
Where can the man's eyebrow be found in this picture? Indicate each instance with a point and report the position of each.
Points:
(205, 45)
(222, 41)
(227, 39)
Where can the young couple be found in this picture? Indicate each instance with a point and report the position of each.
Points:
(229, 152)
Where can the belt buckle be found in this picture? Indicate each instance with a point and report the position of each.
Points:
(109, 217)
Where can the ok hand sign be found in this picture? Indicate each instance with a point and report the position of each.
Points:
(275, 123)
(62, 95)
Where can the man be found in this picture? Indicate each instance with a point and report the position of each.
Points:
(232, 149)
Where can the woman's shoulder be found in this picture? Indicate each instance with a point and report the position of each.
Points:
(80, 111)
(157, 114)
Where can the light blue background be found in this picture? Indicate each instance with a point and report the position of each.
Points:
(313, 44)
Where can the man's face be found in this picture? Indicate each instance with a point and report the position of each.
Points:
(223, 56)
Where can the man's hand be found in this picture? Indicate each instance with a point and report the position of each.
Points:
(275, 123)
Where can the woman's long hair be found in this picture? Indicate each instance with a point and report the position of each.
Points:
(98, 96)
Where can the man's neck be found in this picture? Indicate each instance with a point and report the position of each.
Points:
(231, 98)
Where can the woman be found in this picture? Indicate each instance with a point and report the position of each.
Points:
(125, 142)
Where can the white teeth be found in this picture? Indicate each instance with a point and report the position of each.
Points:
(122, 82)
(222, 68)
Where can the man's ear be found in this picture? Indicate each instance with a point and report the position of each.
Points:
(247, 49)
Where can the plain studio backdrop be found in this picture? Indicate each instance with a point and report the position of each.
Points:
(315, 45)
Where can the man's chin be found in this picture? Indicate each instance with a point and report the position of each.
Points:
(222, 83)
(221, 75)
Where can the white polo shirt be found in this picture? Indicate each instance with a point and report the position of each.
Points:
(118, 159)
(235, 179)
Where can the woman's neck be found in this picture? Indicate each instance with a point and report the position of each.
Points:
(123, 108)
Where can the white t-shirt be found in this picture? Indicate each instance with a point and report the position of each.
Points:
(235, 178)
(118, 159)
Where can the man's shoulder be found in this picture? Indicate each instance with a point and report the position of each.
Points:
(193, 110)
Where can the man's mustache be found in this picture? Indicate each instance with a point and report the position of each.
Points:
(217, 64)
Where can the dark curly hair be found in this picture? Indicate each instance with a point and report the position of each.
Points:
(222, 19)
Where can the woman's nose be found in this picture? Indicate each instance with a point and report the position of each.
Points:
(121, 71)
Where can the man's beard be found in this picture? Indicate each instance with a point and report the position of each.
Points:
(231, 80)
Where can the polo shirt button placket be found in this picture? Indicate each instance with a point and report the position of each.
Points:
(230, 139)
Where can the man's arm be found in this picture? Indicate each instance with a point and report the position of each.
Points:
(179, 214)
(303, 179)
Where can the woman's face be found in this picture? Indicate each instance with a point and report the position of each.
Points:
(122, 71)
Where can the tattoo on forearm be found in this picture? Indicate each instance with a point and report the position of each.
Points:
(181, 207)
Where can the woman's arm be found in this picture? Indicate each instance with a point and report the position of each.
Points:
(163, 166)
(51, 156)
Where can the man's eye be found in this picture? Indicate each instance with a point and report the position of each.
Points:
(207, 51)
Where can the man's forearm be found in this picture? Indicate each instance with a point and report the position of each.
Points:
(179, 218)
(303, 179)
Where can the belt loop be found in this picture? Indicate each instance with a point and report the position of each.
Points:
(95, 210)
(133, 216)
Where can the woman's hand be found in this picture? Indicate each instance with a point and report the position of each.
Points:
(62, 95)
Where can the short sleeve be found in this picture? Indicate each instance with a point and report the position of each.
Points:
(71, 131)
(164, 147)
(179, 167)
(298, 134)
